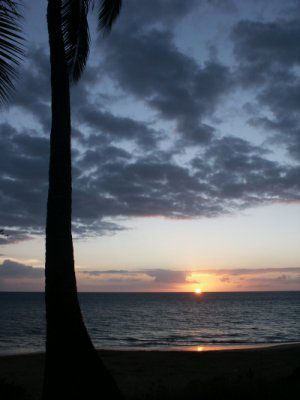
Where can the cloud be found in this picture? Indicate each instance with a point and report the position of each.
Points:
(117, 128)
(224, 279)
(167, 279)
(175, 86)
(145, 137)
(13, 236)
(264, 47)
(137, 14)
(269, 61)
(251, 271)
(108, 183)
(17, 276)
(11, 269)
(33, 91)
(163, 276)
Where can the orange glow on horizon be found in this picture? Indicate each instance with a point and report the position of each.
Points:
(198, 291)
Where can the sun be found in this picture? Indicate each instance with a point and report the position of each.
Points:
(198, 291)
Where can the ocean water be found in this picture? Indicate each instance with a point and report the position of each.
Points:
(159, 320)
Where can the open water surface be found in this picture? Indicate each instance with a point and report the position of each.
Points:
(159, 320)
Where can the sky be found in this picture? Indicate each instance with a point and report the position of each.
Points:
(186, 151)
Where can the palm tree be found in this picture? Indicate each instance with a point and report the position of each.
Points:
(73, 369)
(11, 49)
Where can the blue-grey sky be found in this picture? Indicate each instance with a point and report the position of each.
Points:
(186, 149)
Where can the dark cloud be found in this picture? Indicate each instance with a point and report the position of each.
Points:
(23, 180)
(164, 279)
(172, 163)
(15, 275)
(284, 281)
(117, 128)
(269, 59)
(225, 279)
(164, 276)
(108, 271)
(238, 172)
(264, 47)
(154, 70)
(136, 14)
(227, 6)
(33, 91)
(12, 270)
(252, 271)
(172, 276)
(230, 174)
(19, 277)
(283, 99)
(14, 236)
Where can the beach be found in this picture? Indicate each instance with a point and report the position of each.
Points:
(176, 374)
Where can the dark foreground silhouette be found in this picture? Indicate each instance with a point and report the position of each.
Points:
(73, 369)
(262, 374)
(246, 387)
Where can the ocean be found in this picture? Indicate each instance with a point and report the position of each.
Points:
(159, 321)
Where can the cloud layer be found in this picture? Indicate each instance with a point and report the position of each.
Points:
(16, 276)
(147, 134)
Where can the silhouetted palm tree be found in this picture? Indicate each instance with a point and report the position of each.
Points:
(11, 50)
(73, 369)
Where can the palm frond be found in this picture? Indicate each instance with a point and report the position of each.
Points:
(75, 30)
(11, 47)
(76, 35)
(108, 13)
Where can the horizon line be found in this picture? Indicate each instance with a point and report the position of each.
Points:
(161, 292)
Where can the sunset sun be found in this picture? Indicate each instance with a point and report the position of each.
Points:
(198, 291)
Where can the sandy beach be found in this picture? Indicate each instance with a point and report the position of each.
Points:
(171, 374)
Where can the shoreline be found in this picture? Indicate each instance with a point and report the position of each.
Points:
(144, 374)
(201, 348)
(206, 347)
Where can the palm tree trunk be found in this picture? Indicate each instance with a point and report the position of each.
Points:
(73, 369)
